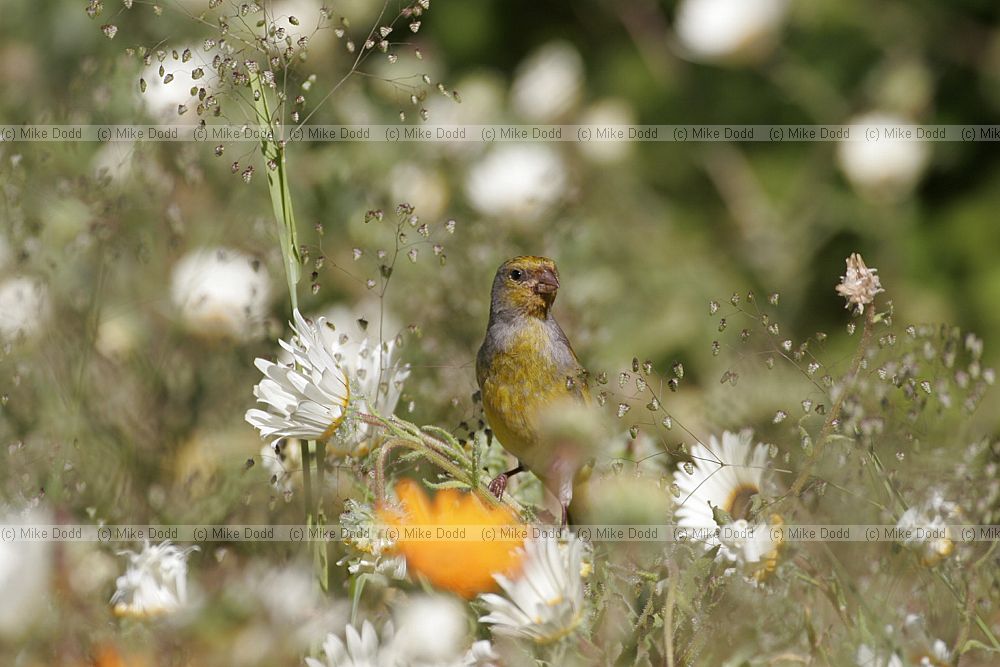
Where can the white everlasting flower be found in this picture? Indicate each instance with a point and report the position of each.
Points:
(519, 182)
(25, 576)
(221, 292)
(886, 169)
(154, 583)
(860, 284)
(356, 649)
(308, 398)
(726, 475)
(544, 603)
(24, 307)
(729, 30)
(548, 83)
(928, 528)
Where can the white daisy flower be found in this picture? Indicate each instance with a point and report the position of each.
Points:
(24, 307)
(860, 284)
(155, 582)
(544, 603)
(548, 83)
(356, 649)
(726, 475)
(221, 292)
(886, 169)
(518, 182)
(308, 398)
(25, 577)
(729, 30)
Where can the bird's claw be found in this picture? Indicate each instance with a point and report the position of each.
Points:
(498, 485)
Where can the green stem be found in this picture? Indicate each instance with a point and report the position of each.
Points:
(307, 480)
(831, 420)
(320, 472)
(277, 186)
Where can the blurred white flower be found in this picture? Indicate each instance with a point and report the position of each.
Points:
(928, 528)
(433, 635)
(939, 655)
(423, 187)
(308, 398)
(357, 649)
(115, 160)
(518, 182)
(164, 94)
(117, 336)
(311, 26)
(860, 284)
(24, 307)
(607, 112)
(431, 630)
(729, 30)
(867, 657)
(25, 575)
(544, 602)
(221, 292)
(548, 83)
(883, 170)
(295, 606)
(154, 583)
(726, 475)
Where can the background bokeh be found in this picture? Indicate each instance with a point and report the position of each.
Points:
(124, 383)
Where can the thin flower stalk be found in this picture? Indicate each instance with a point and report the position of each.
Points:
(277, 186)
(832, 418)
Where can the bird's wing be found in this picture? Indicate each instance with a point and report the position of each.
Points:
(570, 366)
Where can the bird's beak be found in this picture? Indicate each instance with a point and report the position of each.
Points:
(547, 282)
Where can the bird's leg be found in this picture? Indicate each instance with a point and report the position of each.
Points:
(499, 483)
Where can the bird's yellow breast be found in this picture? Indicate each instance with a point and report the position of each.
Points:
(518, 381)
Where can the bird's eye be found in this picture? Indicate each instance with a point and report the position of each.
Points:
(516, 274)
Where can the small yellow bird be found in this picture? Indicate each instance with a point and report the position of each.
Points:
(525, 368)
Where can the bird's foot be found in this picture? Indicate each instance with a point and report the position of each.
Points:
(499, 483)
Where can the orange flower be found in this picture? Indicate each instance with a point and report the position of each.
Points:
(464, 565)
